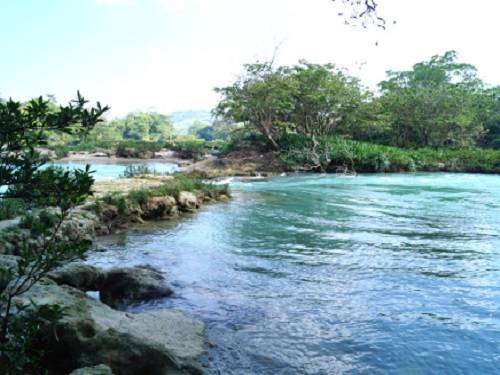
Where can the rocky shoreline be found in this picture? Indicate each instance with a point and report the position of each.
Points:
(98, 336)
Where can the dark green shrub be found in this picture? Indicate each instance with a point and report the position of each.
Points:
(132, 171)
(10, 208)
(118, 200)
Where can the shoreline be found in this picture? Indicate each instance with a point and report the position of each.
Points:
(181, 344)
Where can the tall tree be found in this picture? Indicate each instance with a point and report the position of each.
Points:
(433, 104)
(261, 98)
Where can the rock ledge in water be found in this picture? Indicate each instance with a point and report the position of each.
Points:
(91, 333)
(118, 287)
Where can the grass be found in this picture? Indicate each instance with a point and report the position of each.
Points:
(11, 208)
(171, 187)
(367, 157)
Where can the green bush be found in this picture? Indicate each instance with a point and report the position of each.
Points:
(367, 157)
(138, 170)
(118, 200)
(137, 149)
(181, 182)
(10, 208)
(140, 196)
(188, 147)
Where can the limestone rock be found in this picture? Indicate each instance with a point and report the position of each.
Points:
(79, 275)
(158, 207)
(90, 333)
(118, 287)
(123, 286)
(187, 201)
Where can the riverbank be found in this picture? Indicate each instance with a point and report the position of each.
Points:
(99, 332)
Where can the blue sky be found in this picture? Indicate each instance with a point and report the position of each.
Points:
(167, 55)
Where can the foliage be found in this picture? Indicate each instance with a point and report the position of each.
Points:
(137, 149)
(10, 208)
(261, 98)
(306, 98)
(138, 170)
(439, 103)
(23, 127)
(188, 147)
(171, 187)
(337, 153)
(181, 182)
(434, 104)
(118, 200)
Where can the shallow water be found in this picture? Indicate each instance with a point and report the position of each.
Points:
(111, 170)
(377, 274)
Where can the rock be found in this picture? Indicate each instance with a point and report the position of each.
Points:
(108, 212)
(158, 207)
(79, 275)
(123, 286)
(100, 155)
(164, 154)
(91, 333)
(187, 201)
(96, 370)
(118, 287)
(46, 154)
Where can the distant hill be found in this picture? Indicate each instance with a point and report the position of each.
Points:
(182, 120)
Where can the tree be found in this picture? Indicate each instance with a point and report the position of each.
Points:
(434, 104)
(325, 101)
(50, 194)
(488, 112)
(201, 130)
(259, 98)
(147, 126)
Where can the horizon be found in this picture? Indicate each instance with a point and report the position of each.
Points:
(173, 53)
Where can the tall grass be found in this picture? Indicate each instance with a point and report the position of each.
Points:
(367, 157)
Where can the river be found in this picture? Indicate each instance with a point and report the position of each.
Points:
(114, 169)
(319, 274)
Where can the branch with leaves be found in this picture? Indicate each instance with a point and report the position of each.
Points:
(50, 194)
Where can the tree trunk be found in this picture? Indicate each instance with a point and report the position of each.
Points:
(266, 125)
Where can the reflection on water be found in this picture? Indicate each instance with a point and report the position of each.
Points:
(321, 274)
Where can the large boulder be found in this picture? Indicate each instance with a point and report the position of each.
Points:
(158, 207)
(118, 287)
(90, 333)
(80, 275)
(124, 286)
(95, 370)
(187, 201)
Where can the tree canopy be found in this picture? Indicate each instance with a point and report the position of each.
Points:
(439, 102)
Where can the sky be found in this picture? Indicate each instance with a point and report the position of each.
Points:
(168, 55)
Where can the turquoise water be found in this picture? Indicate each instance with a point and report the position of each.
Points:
(377, 274)
(110, 170)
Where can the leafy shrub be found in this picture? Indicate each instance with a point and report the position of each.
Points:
(137, 149)
(140, 196)
(367, 157)
(10, 208)
(132, 171)
(118, 200)
(188, 147)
